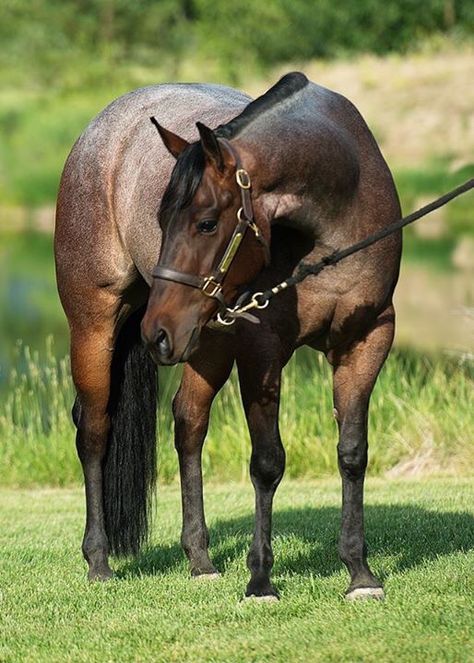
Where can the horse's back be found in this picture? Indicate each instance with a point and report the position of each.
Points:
(117, 171)
(177, 106)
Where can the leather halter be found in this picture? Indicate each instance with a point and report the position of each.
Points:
(212, 285)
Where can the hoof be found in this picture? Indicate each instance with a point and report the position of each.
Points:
(100, 576)
(363, 593)
(267, 598)
(261, 590)
(215, 575)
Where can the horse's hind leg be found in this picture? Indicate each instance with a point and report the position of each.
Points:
(202, 378)
(355, 373)
(91, 358)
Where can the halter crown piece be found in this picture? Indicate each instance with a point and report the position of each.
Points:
(212, 285)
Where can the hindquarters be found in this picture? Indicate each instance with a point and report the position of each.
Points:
(115, 381)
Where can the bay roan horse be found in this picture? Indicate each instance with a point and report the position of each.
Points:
(318, 182)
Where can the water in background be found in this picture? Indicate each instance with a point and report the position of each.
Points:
(434, 301)
(30, 306)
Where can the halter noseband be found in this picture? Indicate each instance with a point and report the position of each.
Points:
(211, 285)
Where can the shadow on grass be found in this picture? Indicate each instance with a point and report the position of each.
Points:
(306, 540)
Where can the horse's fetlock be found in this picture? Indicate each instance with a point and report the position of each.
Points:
(260, 559)
(93, 547)
(195, 538)
(351, 549)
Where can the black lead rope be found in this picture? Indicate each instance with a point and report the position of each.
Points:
(260, 300)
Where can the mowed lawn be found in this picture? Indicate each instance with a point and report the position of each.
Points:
(421, 539)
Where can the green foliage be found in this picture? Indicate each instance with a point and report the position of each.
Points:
(432, 180)
(35, 427)
(419, 536)
(50, 34)
(62, 61)
(427, 183)
(421, 408)
(289, 30)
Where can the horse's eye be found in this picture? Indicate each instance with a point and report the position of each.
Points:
(207, 226)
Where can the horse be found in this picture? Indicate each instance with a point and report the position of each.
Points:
(156, 234)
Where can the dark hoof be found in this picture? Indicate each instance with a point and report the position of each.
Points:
(100, 575)
(261, 592)
(203, 570)
(364, 593)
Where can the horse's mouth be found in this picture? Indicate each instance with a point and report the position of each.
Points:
(191, 346)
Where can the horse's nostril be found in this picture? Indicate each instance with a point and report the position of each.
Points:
(163, 343)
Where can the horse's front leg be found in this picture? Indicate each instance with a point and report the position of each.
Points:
(355, 373)
(202, 378)
(259, 375)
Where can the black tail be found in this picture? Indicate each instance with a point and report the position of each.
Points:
(129, 472)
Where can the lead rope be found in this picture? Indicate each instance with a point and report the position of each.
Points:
(260, 300)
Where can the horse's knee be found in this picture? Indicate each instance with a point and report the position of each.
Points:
(190, 421)
(267, 464)
(352, 453)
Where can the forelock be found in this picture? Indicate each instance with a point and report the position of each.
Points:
(184, 181)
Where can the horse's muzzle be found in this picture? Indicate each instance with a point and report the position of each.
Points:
(159, 342)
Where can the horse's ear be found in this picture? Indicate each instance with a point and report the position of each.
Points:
(215, 151)
(211, 146)
(173, 143)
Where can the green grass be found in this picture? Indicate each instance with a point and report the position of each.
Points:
(420, 539)
(422, 409)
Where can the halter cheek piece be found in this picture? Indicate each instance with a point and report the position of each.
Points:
(212, 285)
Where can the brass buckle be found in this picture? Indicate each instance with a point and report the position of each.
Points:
(243, 178)
(241, 216)
(255, 229)
(251, 224)
(215, 287)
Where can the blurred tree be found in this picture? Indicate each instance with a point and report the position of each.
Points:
(38, 34)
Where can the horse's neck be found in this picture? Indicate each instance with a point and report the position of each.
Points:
(302, 189)
(315, 210)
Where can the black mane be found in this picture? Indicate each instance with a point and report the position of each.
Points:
(189, 166)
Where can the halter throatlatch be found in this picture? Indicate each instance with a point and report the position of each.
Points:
(212, 285)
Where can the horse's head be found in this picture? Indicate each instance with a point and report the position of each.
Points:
(211, 243)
